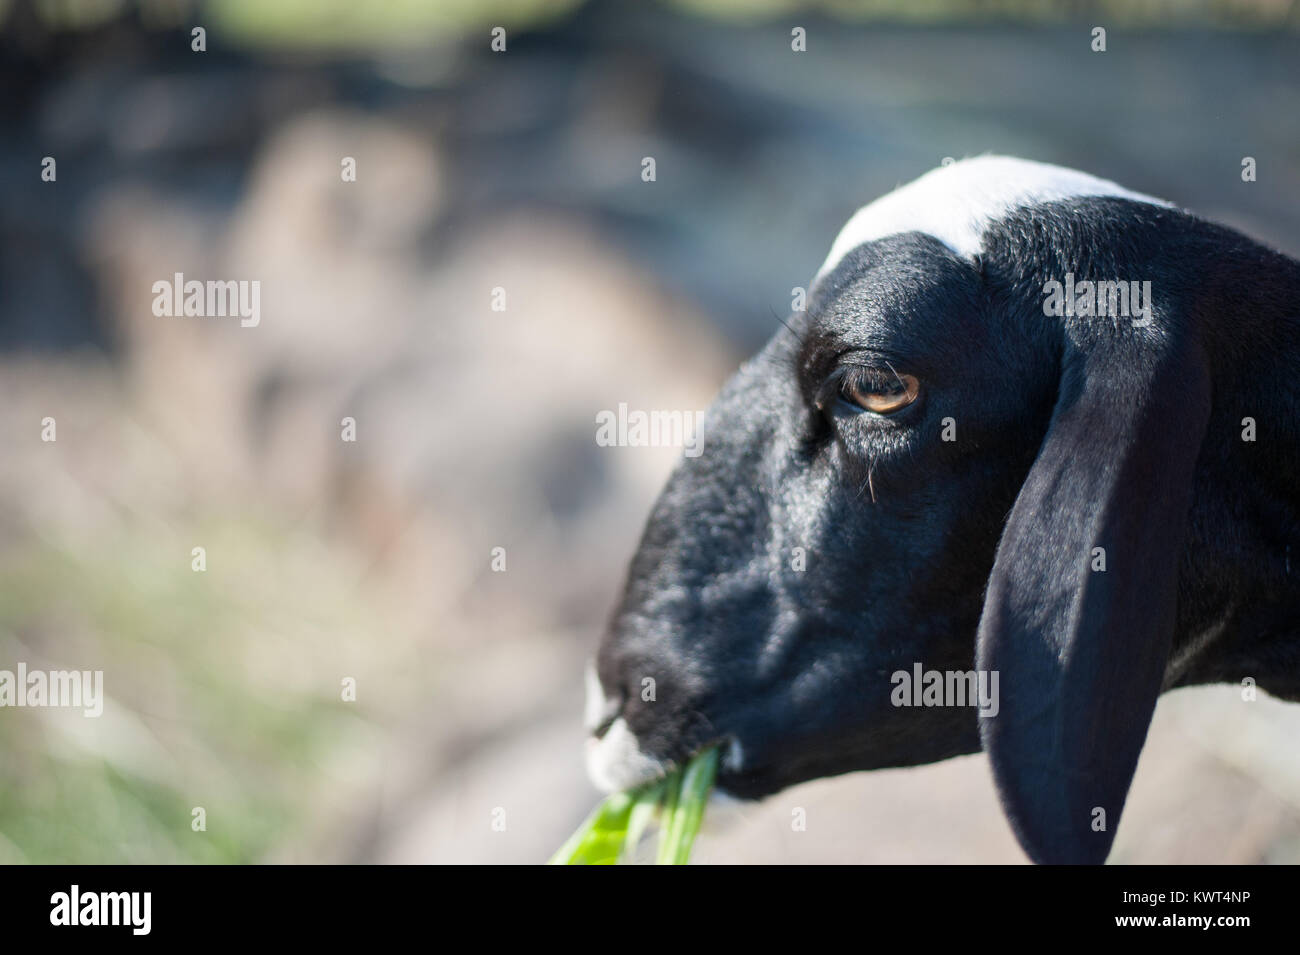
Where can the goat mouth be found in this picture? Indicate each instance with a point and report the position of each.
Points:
(616, 762)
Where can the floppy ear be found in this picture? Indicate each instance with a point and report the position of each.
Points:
(1080, 651)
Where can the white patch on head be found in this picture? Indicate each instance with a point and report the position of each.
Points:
(615, 761)
(957, 203)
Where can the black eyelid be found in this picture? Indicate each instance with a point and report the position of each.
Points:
(870, 378)
(873, 376)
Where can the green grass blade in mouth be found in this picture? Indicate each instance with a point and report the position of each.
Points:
(643, 813)
(599, 840)
(678, 834)
(668, 816)
(611, 833)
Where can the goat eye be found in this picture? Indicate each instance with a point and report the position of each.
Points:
(881, 391)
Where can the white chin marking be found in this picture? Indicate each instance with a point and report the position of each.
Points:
(615, 761)
(956, 203)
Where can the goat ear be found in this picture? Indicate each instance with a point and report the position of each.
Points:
(1080, 650)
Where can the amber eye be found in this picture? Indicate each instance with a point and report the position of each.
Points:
(881, 391)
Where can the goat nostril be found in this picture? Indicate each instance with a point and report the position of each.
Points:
(600, 731)
(601, 710)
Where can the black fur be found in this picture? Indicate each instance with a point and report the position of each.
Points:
(1071, 433)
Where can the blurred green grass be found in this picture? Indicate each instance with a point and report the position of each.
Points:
(187, 721)
(399, 23)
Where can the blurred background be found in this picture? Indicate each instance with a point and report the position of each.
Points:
(372, 560)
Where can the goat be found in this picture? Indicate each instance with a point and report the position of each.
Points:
(940, 463)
